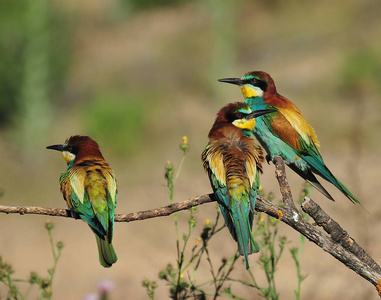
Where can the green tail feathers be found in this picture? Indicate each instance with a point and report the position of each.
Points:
(321, 169)
(107, 255)
(345, 191)
(245, 239)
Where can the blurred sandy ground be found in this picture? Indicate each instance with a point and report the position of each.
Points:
(172, 52)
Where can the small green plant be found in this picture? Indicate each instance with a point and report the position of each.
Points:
(296, 253)
(44, 285)
(150, 287)
(181, 277)
(272, 246)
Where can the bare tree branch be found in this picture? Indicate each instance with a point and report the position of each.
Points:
(263, 205)
(136, 216)
(165, 210)
(338, 234)
(338, 243)
(342, 246)
(280, 174)
(35, 210)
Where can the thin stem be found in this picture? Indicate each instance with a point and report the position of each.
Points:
(12, 287)
(211, 267)
(53, 270)
(52, 244)
(253, 278)
(180, 166)
(229, 266)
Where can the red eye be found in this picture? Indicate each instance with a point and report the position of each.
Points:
(239, 115)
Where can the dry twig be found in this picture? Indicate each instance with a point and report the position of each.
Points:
(338, 243)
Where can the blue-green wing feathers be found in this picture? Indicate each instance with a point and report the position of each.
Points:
(87, 192)
(235, 182)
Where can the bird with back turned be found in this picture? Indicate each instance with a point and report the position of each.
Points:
(233, 161)
(89, 187)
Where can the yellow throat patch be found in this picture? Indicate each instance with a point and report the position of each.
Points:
(250, 91)
(245, 124)
(68, 157)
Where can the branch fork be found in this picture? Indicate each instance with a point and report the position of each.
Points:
(336, 242)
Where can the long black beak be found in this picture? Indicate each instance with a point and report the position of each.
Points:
(258, 113)
(236, 81)
(56, 147)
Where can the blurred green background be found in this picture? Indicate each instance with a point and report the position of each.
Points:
(138, 75)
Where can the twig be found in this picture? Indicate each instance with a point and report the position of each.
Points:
(165, 210)
(35, 210)
(280, 174)
(263, 205)
(340, 245)
(338, 234)
(136, 216)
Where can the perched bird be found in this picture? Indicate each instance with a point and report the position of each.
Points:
(89, 187)
(285, 132)
(233, 161)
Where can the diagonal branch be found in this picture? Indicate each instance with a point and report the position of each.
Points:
(337, 233)
(339, 236)
(338, 243)
(280, 174)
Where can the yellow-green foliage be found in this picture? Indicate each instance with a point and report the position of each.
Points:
(119, 120)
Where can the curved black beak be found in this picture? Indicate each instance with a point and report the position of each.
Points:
(258, 113)
(236, 81)
(56, 147)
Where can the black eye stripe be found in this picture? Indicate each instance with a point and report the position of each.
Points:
(257, 82)
(236, 116)
(71, 149)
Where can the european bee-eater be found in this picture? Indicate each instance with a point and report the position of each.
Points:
(89, 187)
(233, 161)
(285, 132)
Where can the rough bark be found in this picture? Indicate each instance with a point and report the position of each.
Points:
(336, 242)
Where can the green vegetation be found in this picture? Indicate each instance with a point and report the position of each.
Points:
(141, 5)
(44, 285)
(135, 75)
(35, 60)
(181, 277)
(118, 120)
